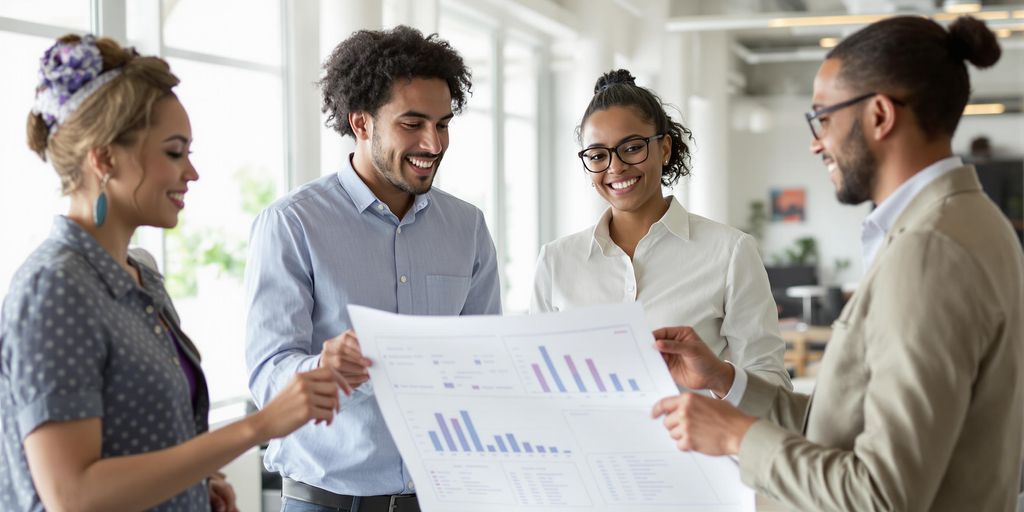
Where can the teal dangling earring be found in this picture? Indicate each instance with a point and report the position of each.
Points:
(99, 210)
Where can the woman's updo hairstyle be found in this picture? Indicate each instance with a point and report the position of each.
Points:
(114, 113)
(618, 89)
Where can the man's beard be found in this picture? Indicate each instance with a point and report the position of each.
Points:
(859, 171)
(385, 165)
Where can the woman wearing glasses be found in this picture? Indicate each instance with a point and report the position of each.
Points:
(685, 269)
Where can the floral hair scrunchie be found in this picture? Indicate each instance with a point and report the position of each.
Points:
(68, 74)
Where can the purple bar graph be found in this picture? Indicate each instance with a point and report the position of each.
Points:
(490, 447)
(541, 449)
(575, 374)
(594, 373)
(632, 384)
(501, 443)
(540, 378)
(444, 431)
(527, 448)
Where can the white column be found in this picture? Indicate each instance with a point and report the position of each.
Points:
(338, 20)
(709, 112)
(578, 205)
(108, 19)
(302, 97)
(420, 14)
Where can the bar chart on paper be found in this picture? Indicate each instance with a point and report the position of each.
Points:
(560, 363)
(458, 433)
(545, 413)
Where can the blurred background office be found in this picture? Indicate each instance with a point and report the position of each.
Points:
(739, 72)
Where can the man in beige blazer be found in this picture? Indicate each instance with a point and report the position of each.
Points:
(919, 401)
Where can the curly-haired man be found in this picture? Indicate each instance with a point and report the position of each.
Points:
(373, 234)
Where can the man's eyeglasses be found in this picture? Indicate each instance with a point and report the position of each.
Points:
(632, 151)
(814, 117)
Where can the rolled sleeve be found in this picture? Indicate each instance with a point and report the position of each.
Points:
(279, 291)
(751, 323)
(55, 353)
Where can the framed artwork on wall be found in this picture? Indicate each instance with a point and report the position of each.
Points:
(789, 204)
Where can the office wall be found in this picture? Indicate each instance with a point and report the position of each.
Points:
(779, 158)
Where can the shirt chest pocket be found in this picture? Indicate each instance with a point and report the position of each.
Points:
(446, 295)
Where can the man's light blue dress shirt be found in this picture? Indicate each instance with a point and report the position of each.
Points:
(332, 243)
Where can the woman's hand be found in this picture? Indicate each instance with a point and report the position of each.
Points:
(222, 495)
(691, 362)
(311, 395)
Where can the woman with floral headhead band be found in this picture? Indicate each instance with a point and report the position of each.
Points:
(102, 399)
(686, 270)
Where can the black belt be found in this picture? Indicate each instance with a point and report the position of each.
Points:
(343, 502)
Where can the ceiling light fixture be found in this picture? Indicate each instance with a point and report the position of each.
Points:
(984, 16)
(811, 21)
(960, 7)
(984, 109)
(828, 42)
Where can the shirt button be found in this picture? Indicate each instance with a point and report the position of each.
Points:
(149, 309)
(412, 486)
(630, 288)
(403, 279)
(399, 230)
(380, 207)
(157, 329)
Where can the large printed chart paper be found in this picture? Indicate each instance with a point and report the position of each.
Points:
(538, 413)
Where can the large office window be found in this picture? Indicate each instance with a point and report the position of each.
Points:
(29, 188)
(492, 159)
(231, 86)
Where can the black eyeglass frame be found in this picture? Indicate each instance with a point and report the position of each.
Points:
(816, 114)
(615, 151)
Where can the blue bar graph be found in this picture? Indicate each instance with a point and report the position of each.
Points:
(472, 431)
(586, 382)
(444, 430)
(464, 430)
(551, 368)
(462, 438)
(615, 382)
(512, 442)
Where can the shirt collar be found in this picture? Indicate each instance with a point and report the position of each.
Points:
(878, 223)
(113, 276)
(361, 195)
(676, 220)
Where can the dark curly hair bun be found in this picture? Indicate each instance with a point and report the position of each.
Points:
(618, 76)
(969, 39)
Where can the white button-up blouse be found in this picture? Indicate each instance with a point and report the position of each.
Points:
(687, 270)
